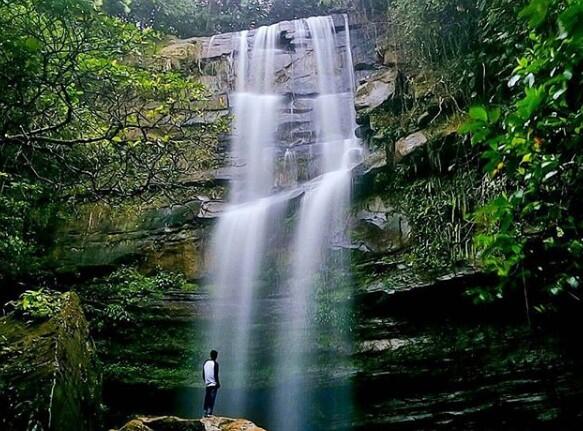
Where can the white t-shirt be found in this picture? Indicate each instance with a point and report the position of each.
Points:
(209, 373)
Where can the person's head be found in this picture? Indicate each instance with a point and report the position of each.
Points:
(214, 354)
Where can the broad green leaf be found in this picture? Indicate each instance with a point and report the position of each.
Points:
(530, 103)
(535, 12)
(571, 20)
(478, 112)
(494, 114)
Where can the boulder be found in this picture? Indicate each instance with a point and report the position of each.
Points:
(407, 145)
(172, 423)
(378, 228)
(48, 376)
(181, 54)
(375, 162)
(216, 423)
(163, 423)
(376, 90)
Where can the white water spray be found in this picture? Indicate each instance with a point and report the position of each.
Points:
(245, 237)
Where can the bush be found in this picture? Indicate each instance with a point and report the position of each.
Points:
(468, 44)
(21, 221)
(38, 304)
(114, 300)
(531, 235)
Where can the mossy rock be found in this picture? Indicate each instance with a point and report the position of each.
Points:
(48, 373)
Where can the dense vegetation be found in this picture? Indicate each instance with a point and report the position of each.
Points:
(203, 17)
(86, 115)
(531, 235)
(507, 203)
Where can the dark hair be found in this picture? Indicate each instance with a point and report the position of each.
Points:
(214, 354)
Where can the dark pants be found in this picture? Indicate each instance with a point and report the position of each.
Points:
(209, 399)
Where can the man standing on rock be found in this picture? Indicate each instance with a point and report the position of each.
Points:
(210, 376)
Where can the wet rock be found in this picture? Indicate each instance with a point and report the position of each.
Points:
(378, 228)
(407, 145)
(48, 374)
(163, 423)
(376, 90)
(172, 423)
(417, 292)
(382, 345)
(375, 162)
(216, 423)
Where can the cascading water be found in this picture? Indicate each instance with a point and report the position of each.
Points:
(321, 223)
(239, 240)
(254, 228)
(290, 170)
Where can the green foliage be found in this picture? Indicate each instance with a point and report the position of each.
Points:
(85, 116)
(531, 236)
(438, 209)
(113, 301)
(17, 244)
(82, 109)
(37, 304)
(187, 18)
(468, 44)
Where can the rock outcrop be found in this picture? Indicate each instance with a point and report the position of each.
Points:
(216, 423)
(408, 144)
(376, 89)
(429, 359)
(379, 228)
(168, 237)
(48, 376)
(172, 423)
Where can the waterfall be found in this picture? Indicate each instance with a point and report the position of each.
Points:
(321, 223)
(239, 239)
(261, 223)
(290, 170)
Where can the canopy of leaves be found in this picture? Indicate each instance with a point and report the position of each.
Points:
(85, 115)
(187, 18)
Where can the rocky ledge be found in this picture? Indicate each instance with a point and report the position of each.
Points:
(172, 423)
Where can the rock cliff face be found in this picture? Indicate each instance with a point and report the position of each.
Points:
(169, 237)
(460, 367)
(48, 375)
(175, 236)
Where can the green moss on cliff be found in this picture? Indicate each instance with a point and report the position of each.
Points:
(48, 374)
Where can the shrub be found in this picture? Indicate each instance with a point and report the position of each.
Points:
(114, 300)
(38, 304)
